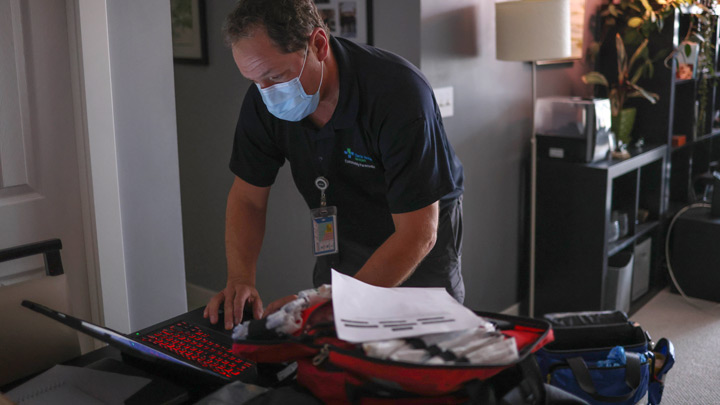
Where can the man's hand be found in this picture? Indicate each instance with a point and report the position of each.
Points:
(276, 305)
(234, 297)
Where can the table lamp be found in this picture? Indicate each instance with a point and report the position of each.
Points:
(529, 31)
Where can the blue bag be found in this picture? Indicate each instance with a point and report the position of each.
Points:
(598, 356)
(664, 360)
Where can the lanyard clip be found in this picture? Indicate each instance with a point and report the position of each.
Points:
(322, 184)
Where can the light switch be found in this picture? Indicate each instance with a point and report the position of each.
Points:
(444, 98)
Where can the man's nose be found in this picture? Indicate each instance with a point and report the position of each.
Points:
(265, 83)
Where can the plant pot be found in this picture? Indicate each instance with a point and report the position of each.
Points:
(622, 124)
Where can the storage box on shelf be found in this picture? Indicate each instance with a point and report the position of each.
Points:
(575, 203)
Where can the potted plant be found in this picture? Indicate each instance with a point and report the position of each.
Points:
(631, 22)
(703, 32)
(626, 87)
(694, 58)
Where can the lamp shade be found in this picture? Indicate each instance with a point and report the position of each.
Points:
(533, 30)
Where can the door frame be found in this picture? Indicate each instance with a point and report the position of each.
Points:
(99, 235)
(128, 252)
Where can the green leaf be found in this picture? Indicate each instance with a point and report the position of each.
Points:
(638, 73)
(660, 55)
(595, 78)
(646, 5)
(688, 50)
(632, 37)
(651, 97)
(621, 58)
(634, 7)
(635, 22)
(615, 105)
(640, 52)
(612, 10)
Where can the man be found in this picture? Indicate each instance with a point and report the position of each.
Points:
(367, 149)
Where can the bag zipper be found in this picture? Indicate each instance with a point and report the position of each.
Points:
(324, 353)
(564, 364)
(322, 356)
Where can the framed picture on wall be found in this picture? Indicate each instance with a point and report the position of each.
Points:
(577, 29)
(349, 19)
(189, 33)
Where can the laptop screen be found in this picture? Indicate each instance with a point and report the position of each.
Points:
(118, 340)
(112, 337)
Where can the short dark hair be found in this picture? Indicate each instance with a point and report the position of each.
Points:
(288, 23)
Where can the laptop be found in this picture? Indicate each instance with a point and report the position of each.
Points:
(181, 345)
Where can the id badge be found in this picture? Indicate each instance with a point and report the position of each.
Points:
(324, 230)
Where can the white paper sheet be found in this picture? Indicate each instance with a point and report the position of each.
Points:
(77, 385)
(365, 313)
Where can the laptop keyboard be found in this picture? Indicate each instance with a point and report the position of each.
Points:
(196, 345)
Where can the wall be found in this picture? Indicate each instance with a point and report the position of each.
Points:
(490, 132)
(396, 27)
(208, 99)
(453, 42)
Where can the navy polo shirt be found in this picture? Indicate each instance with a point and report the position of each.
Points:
(384, 151)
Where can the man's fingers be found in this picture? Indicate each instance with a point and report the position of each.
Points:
(269, 310)
(239, 306)
(277, 304)
(257, 308)
(230, 297)
(233, 299)
(211, 310)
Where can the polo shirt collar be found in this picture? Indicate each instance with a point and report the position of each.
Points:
(347, 107)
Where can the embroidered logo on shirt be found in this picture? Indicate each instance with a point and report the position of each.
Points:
(357, 159)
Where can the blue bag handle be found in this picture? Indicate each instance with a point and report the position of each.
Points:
(584, 380)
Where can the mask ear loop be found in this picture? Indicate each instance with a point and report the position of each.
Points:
(322, 68)
(322, 73)
(304, 60)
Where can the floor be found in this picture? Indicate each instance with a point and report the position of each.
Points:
(693, 326)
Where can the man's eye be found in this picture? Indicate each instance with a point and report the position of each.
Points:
(274, 78)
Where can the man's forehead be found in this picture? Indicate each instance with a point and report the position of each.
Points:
(257, 62)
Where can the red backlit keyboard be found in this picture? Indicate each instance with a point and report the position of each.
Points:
(194, 344)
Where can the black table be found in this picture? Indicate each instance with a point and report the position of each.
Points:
(167, 387)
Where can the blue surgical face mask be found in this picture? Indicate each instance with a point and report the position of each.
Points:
(288, 101)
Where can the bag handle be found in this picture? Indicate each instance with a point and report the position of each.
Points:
(582, 375)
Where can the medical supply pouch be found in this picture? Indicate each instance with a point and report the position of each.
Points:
(600, 357)
(337, 371)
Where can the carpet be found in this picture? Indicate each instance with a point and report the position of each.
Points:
(694, 329)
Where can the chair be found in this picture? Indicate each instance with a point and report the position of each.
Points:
(29, 342)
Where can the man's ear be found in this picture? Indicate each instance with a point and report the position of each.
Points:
(320, 42)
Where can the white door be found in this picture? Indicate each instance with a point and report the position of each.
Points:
(40, 178)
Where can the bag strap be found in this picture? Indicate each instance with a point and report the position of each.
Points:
(584, 380)
(530, 390)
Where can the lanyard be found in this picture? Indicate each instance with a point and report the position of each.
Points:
(322, 184)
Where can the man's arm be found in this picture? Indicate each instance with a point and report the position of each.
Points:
(396, 259)
(244, 232)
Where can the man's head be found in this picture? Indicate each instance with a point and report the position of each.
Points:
(288, 23)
